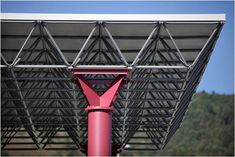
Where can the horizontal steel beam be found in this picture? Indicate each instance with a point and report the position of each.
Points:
(97, 66)
(115, 37)
(68, 99)
(136, 79)
(95, 51)
(71, 108)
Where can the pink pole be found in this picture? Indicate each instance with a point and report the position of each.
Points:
(99, 133)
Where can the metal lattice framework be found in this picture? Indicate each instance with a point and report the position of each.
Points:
(41, 108)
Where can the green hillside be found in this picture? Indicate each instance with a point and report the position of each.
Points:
(208, 129)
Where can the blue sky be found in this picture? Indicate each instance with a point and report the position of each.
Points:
(219, 75)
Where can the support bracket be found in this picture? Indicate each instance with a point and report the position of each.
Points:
(96, 101)
(100, 107)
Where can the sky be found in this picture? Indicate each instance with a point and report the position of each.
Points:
(219, 74)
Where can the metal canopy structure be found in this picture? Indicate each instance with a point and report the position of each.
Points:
(41, 107)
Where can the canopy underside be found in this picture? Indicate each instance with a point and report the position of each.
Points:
(41, 105)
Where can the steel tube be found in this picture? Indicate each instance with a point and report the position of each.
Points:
(56, 46)
(145, 44)
(76, 60)
(116, 46)
(22, 47)
(100, 66)
(99, 133)
(206, 44)
(160, 67)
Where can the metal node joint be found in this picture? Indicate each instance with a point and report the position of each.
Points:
(96, 101)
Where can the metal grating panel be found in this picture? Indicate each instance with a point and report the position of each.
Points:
(42, 109)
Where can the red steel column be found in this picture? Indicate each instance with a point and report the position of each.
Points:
(99, 115)
(99, 132)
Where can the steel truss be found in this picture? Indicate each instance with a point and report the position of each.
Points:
(41, 104)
